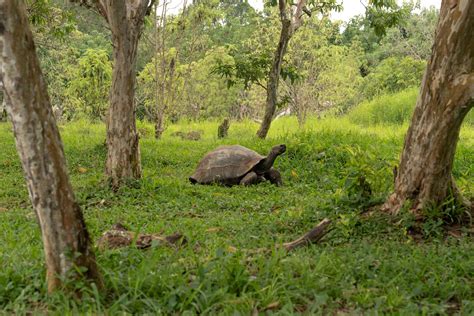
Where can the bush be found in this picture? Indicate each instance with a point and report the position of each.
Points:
(88, 88)
(392, 75)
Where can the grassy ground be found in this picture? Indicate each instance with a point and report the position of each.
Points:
(366, 265)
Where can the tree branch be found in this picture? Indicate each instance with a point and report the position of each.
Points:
(297, 18)
(95, 5)
(313, 236)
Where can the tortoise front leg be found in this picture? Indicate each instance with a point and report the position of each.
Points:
(274, 177)
(250, 178)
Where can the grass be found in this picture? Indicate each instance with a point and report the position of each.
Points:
(365, 266)
(396, 108)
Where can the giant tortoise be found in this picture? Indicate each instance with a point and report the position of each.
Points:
(230, 165)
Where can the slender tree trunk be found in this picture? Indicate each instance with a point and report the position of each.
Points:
(3, 107)
(66, 242)
(447, 95)
(291, 20)
(274, 78)
(161, 82)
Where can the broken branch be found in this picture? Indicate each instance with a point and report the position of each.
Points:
(313, 236)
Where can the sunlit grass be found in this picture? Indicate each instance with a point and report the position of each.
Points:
(366, 265)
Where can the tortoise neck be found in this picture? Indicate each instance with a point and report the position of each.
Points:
(267, 163)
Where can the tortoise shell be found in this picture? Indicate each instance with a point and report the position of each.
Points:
(226, 165)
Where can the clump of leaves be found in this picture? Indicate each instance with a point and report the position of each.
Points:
(363, 173)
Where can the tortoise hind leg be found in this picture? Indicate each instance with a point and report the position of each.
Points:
(274, 177)
(250, 178)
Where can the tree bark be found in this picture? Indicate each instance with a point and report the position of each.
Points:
(123, 152)
(447, 94)
(66, 242)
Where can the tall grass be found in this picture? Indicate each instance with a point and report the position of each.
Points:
(394, 108)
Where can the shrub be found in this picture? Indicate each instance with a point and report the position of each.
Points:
(392, 75)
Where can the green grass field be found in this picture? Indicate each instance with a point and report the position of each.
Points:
(367, 265)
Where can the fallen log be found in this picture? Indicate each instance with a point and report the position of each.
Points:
(313, 236)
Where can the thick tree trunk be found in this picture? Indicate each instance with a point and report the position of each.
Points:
(66, 242)
(125, 19)
(123, 151)
(447, 95)
(274, 78)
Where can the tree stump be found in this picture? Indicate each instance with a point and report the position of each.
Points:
(223, 129)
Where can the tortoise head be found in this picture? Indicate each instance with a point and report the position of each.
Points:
(278, 150)
(267, 163)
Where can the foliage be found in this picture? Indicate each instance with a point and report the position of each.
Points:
(384, 14)
(252, 58)
(197, 89)
(321, 71)
(89, 84)
(49, 17)
(393, 75)
(390, 109)
(412, 38)
(366, 265)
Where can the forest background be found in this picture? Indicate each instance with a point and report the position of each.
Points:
(210, 62)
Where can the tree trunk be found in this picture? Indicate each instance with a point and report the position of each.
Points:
(125, 19)
(447, 94)
(123, 151)
(160, 82)
(66, 242)
(274, 78)
(159, 126)
(290, 21)
(3, 108)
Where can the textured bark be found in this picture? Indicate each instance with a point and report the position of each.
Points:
(447, 94)
(65, 239)
(290, 22)
(123, 151)
(125, 19)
